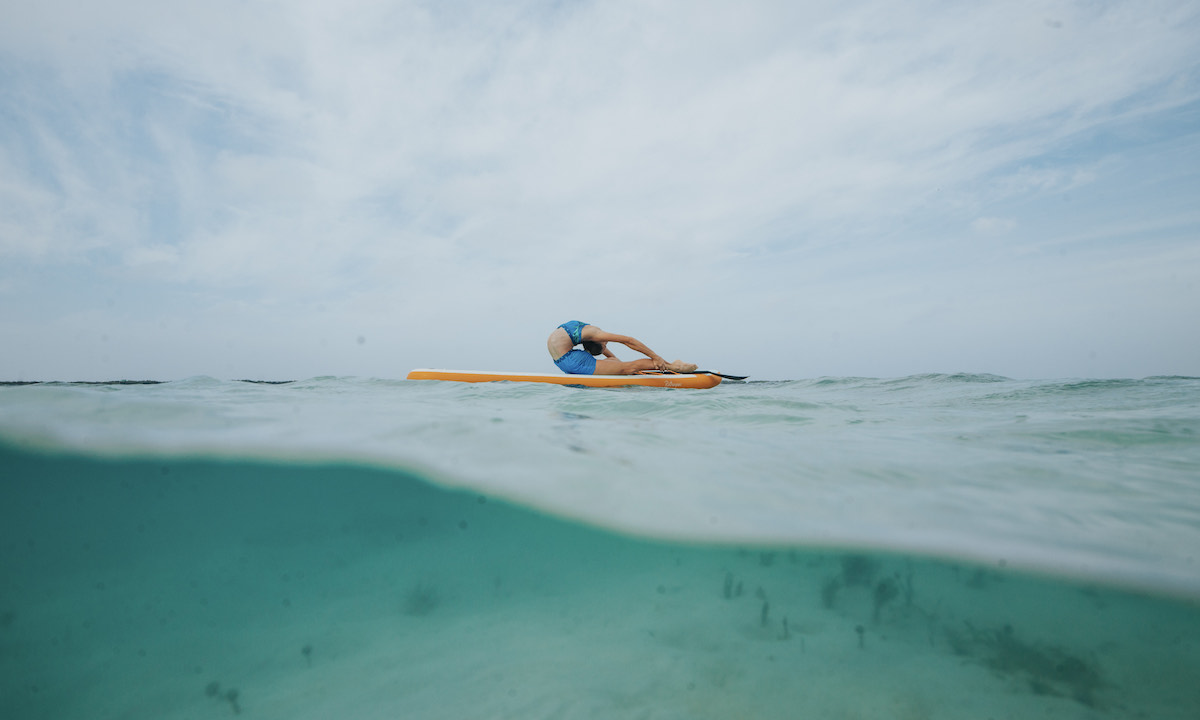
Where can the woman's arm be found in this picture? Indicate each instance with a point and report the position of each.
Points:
(591, 332)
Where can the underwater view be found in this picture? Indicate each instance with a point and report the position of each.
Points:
(927, 547)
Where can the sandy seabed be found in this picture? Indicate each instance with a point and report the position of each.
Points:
(318, 599)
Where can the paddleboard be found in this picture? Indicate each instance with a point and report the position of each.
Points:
(669, 380)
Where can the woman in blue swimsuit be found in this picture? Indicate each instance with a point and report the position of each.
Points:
(595, 342)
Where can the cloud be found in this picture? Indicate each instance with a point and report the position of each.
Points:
(993, 225)
(413, 160)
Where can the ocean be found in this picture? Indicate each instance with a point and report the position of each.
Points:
(937, 546)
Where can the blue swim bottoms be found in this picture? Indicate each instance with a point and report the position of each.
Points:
(577, 362)
(574, 328)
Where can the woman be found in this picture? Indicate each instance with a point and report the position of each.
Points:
(595, 342)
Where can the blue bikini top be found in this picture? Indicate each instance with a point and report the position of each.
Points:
(574, 329)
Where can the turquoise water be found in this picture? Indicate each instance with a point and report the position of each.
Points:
(923, 547)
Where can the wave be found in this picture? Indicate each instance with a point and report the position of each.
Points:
(928, 463)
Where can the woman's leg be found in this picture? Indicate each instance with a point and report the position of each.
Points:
(623, 367)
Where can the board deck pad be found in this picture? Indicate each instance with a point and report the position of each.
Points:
(669, 380)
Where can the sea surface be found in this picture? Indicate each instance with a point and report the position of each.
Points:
(936, 546)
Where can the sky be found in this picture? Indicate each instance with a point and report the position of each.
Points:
(282, 190)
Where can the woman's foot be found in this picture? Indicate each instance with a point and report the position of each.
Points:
(680, 366)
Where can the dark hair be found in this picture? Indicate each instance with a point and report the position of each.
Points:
(593, 347)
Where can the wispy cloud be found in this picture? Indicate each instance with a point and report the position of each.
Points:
(408, 162)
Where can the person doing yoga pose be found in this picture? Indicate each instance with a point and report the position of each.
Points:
(565, 337)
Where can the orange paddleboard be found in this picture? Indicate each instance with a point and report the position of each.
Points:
(669, 380)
